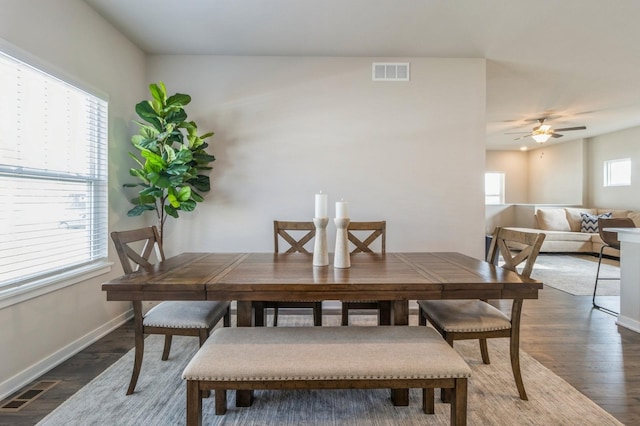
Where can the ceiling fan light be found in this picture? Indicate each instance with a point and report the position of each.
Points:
(541, 138)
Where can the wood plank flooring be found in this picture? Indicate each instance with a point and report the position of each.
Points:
(583, 346)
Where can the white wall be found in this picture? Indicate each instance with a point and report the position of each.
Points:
(286, 127)
(72, 39)
(515, 166)
(557, 174)
(612, 146)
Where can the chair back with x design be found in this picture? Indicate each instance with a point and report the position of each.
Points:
(281, 228)
(363, 245)
(132, 259)
(516, 247)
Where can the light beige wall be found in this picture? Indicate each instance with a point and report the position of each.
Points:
(557, 174)
(515, 166)
(612, 146)
(286, 127)
(72, 39)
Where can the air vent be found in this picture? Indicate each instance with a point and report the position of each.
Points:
(390, 71)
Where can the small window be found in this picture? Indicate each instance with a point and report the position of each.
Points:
(617, 172)
(494, 188)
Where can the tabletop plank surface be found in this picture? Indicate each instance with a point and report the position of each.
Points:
(268, 276)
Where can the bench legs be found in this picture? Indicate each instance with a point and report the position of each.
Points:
(194, 402)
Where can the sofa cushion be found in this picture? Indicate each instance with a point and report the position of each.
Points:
(553, 220)
(574, 218)
(615, 213)
(590, 222)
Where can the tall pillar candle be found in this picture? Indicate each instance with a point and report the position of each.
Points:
(321, 205)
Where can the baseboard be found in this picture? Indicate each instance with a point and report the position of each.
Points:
(28, 375)
(629, 323)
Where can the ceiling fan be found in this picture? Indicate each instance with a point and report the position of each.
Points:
(542, 132)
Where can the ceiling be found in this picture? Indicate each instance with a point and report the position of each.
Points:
(575, 61)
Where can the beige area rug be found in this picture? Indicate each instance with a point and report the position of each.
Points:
(160, 395)
(576, 274)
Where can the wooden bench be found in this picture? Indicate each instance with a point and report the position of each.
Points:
(397, 357)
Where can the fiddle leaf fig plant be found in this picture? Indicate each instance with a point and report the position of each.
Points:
(171, 157)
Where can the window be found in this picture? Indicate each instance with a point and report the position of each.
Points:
(53, 176)
(494, 188)
(617, 172)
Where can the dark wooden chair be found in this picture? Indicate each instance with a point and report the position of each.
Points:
(609, 239)
(193, 318)
(296, 234)
(372, 232)
(477, 319)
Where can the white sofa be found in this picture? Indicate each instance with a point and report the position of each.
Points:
(562, 227)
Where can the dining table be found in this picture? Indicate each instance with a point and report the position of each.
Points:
(395, 278)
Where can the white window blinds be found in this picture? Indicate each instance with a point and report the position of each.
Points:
(53, 175)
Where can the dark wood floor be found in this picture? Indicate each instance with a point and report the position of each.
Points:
(583, 346)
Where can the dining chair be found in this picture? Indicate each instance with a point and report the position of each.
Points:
(363, 244)
(609, 239)
(135, 249)
(477, 319)
(296, 235)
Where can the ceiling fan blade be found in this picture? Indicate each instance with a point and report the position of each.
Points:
(516, 133)
(556, 135)
(566, 129)
(521, 137)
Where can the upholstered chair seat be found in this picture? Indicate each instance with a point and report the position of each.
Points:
(466, 316)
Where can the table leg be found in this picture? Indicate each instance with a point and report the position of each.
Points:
(244, 318)
(244, 313)
(400, 316)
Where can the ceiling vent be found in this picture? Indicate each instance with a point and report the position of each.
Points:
(390, 71)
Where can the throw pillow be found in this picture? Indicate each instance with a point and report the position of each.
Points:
(552, 220)
(590, 222)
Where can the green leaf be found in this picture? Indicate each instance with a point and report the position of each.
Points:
(184, 155)
(131, 185)
(188, 206)
(207, 135)
(140, 174)
(145, 110)
(184, 194)
(153, 192)
(160, 180)
(196, 197)
(177, 169)
(203, 157)
(154, 162)
(172, 199)
(135, 158)
(177, 116)
(158, 92)
(178, 100)
(200, 182)
(138, 210)
(171, 211)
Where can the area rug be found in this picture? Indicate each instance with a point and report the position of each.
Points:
(160, 398)
(576, 274)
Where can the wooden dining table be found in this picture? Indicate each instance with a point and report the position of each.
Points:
(395, 278)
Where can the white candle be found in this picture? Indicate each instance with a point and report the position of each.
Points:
(341, 209)
(321, 205)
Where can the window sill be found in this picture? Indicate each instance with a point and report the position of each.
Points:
(15, 295)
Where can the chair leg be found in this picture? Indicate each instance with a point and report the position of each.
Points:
(167, 347)
(317, 314)
(422, 319)
(595, 287)
(484, 351)
(139, 345)
(275, 316)
(226, 321)
(345, 313)
(515, 365)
